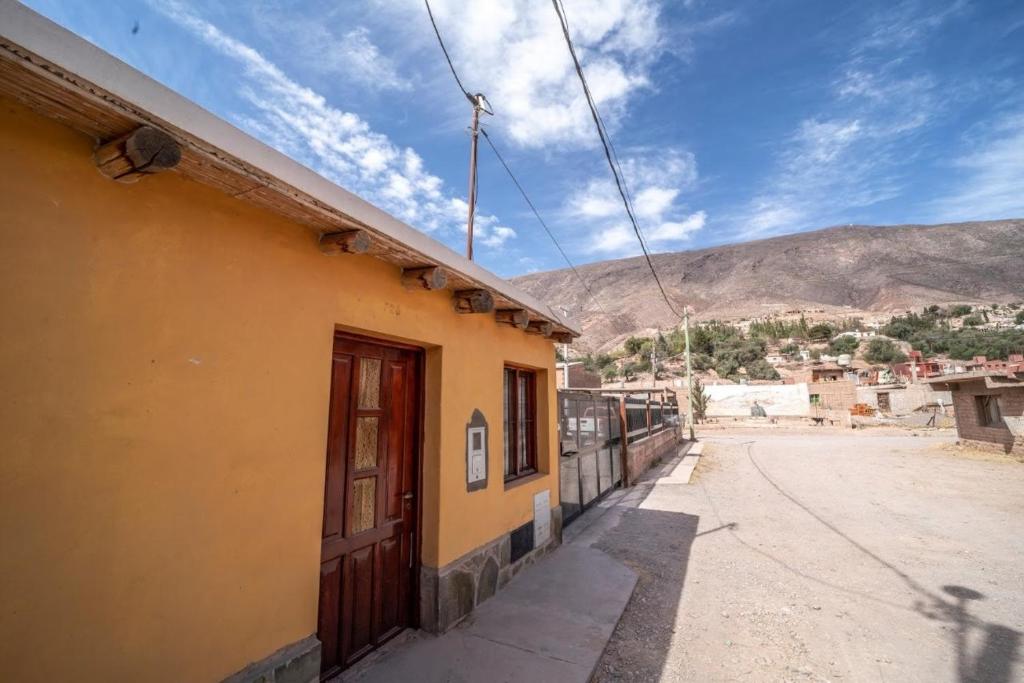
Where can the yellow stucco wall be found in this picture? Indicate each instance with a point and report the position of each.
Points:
(165, 363)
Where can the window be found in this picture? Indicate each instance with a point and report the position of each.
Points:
(520, 399)
(815, 399)
(989, 414)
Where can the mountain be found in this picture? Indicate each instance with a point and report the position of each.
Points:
(839, 271)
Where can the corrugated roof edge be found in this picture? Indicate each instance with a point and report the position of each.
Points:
(52, 42)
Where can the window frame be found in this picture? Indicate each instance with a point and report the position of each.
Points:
(512, 469)
(982, 401)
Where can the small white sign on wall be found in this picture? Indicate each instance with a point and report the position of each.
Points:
(541, 518)
(476, 452)
(476, 447)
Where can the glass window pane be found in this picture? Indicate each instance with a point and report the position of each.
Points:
(507, 423)
(366, 442)
(369, 383)
(364, 500)
(522, 427)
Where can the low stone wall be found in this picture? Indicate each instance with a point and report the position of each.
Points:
(449, 594)
(640, 455)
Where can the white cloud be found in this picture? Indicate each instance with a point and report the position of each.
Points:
(338, 144)
(992, 180)
(657, 179)
(851, 154)
(514, 52)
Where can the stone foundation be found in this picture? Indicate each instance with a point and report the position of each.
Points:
(449, 594)
(295, 663)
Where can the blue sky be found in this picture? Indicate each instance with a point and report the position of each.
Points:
(733, 121)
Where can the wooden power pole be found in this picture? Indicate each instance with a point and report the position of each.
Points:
(479, 103)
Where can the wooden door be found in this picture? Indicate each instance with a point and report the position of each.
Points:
(368, 552)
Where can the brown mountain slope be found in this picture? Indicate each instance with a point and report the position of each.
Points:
(841, 270)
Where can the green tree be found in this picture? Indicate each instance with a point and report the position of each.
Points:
(1019, 318)
(761, 369)
(974, 321)
(633, 345)
(701, 362)
(843, 344)
(700, 401)
(610, 373)
(820, 331)
(629, 370)
(883, 351)
(790, 349)
(958, 310)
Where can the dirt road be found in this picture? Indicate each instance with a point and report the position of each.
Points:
(834, 556)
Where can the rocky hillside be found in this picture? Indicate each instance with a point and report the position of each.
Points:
(837, 271)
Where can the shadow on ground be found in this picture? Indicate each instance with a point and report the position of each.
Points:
(656, 545)
(992, 661)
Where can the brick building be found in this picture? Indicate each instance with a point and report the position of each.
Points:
(989, 408)
(579, 376)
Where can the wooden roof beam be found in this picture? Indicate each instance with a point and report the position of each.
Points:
(473, 301)
(541, 327)
(424, 277)
(141, 152)
(516, 317)
(346, 242)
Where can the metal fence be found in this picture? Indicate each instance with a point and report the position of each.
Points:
(590, 428)
(590, 464)
(646, 417)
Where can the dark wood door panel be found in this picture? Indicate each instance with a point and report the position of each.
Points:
(367, 586)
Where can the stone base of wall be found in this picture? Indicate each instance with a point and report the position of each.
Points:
(295, 663)
(449, 594)
(642, 454)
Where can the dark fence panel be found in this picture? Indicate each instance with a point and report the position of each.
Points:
(590, 436)
(591, 441)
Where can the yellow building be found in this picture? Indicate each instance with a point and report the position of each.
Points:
(251, 423)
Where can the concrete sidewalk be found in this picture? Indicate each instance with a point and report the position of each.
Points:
(551, 623)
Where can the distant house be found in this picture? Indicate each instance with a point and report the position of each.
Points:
(917, 368)
(989, 408)
(579, 376)
(830, 389)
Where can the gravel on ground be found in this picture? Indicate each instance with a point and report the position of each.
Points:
(823, 556)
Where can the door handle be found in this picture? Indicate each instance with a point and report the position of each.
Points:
(408, 496)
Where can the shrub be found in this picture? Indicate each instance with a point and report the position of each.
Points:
(883, 351)
(843, 344)
(761, 369)
(973, 321)
(820, 331)
(1019, 318)
(958, 310)
(790, 349)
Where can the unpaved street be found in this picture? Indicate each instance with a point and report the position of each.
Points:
(840, 556)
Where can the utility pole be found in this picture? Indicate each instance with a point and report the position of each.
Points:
(689, 368)
(479, 103)
(565, 366)
(654, 361)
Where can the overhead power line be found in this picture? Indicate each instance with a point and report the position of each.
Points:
(544, 225)
(445, 51)
(606, 144)
(612, 320)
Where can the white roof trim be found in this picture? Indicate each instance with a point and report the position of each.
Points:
(39, 35)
